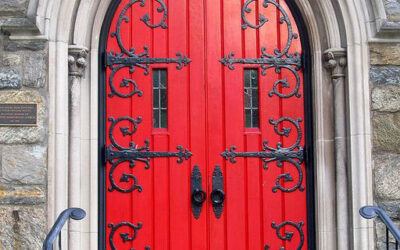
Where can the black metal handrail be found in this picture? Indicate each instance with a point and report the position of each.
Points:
(73, 213)
(370, 212)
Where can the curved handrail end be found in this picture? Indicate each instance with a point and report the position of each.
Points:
(369, 212)
(70, 213)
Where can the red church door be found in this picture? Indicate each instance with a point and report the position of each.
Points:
(203, 126)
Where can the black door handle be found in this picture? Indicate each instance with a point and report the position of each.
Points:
(217, 195)
(198, 196)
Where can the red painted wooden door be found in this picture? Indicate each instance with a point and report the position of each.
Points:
(204, 95)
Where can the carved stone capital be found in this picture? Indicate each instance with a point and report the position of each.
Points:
(77, 60)
(336, 62)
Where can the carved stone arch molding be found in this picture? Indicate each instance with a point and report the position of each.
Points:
(339, 31)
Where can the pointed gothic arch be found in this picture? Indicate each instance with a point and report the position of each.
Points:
(73, 29)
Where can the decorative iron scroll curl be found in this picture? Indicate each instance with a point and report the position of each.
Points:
(128, 58)
(116, 154)
(286, 235)
(125, 178)
(262, 19)
(135, 153)
(293, 154)
(280, 59)
(124, 236)
(291, 62)
(162, 9)
(124, 18)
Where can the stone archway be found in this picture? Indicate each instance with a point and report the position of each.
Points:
(73, 29)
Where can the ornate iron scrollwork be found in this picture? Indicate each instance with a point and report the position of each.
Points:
(278, 60)
(125, 178)
(293, 154)
(162, 9)
(124, 236)
(262, 19)
(246, 9)
(291, 62)
(287, 236)
(129, 59)
(116, 154)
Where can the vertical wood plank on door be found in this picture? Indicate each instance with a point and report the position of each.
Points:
(197, 105)
(215, 116)
(234, 126)
(178, 126)
(115, 215)
(253, 141)
(269, 108)
(161, 136)
(142, 106)
(293, 107)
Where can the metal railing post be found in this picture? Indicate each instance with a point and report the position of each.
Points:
(70, 213)
(370, 212)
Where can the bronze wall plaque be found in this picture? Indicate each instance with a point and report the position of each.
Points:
(18, 114)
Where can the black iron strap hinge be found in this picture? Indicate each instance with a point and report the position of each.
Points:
(292, 155)
(117, 156)
(126, 57)
(145, 60)
(144, 154)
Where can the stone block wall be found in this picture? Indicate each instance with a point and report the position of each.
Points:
(393, 9)
(385, 106)
(23, 150)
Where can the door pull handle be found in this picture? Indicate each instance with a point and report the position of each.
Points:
(198, 195)
(217, 195)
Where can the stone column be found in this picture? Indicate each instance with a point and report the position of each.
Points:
(336, 63)
(76, 65)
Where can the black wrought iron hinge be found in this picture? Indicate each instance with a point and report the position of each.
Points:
(126, 57)
(144, 154)
(117, 154)
(294, 154)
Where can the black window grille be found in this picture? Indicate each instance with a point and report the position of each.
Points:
(251, 105)
(160, 98)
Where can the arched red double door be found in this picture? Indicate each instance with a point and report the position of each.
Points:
(204, 131)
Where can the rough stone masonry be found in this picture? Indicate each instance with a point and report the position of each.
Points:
(23, 150)
(385, 106)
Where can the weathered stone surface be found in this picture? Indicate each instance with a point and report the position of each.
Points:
(386, 132)
(385, 54)
(11, 60)
(393, 9)
(22, 195)
(10, 22)
(9, 79)
(23, 164)
(34, 71)
(387, 176)
(381, 236)
(25, 45)
(392, 208)
(13, 7)
(22, 228)
(385, 75)
(386, 98)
